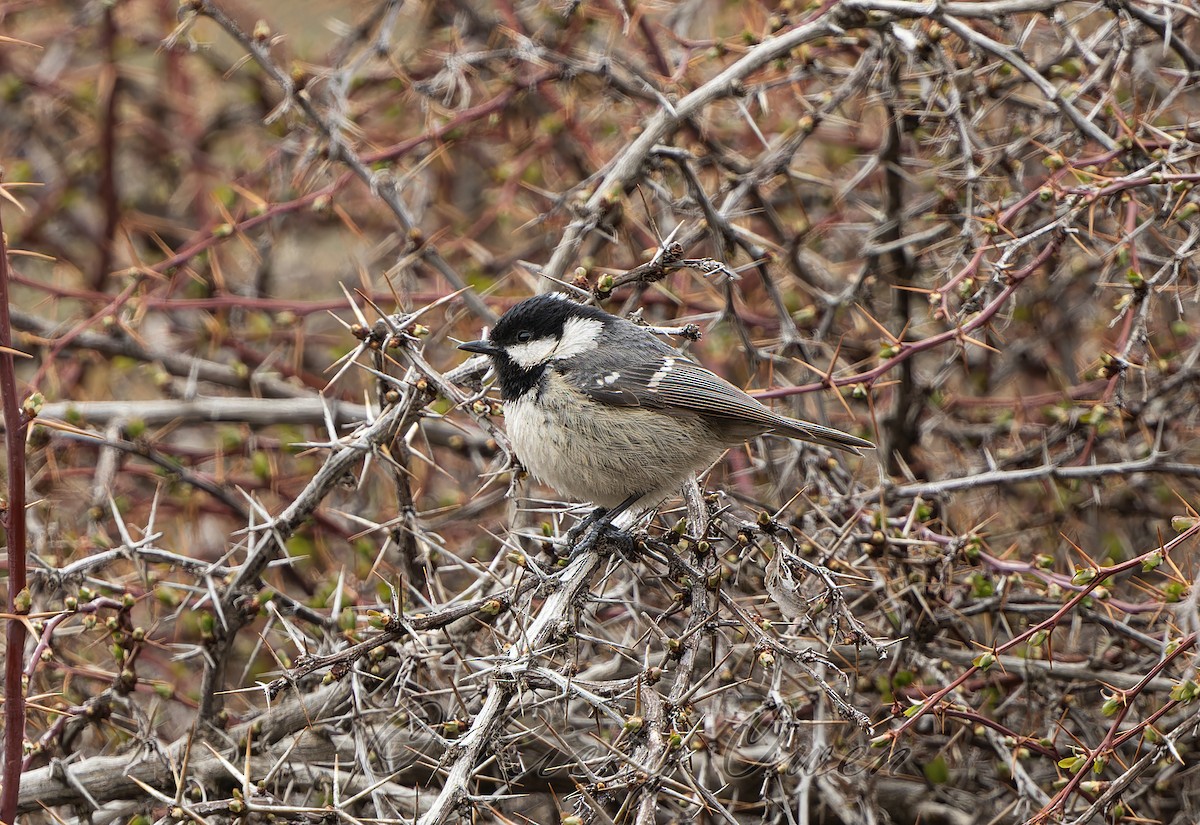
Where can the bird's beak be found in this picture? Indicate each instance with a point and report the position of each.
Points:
(483, 347)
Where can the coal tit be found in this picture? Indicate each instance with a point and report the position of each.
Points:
(603, 411)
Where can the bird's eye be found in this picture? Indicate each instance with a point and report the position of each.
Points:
(524, 336)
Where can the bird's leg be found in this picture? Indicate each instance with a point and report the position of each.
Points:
(596, 525)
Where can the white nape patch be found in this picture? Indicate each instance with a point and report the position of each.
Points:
(657, 378)
(532, 353)
(580, 335)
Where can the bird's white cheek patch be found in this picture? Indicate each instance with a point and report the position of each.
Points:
(532, 353)
(580, 335)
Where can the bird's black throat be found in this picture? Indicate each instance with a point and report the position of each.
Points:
(514, 379)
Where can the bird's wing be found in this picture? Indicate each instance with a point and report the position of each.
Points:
(678, 383)
(673, 381)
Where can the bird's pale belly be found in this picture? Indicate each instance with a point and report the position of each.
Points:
(607, 453)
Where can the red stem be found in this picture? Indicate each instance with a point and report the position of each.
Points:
(14, 525)
(1060, 799)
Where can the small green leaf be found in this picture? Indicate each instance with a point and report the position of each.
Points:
(1083, 576)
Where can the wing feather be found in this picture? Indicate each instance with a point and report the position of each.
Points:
(677, 383)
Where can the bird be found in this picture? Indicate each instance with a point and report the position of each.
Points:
(603, 411)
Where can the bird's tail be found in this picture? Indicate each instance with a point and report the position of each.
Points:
(827, 436)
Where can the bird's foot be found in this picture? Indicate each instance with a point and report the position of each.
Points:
(574, 534)
(583, 536)
(622, 538)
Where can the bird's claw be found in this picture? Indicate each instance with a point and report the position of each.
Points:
(587, 544)
(583, 536)
(582, 527)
